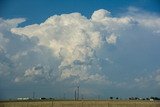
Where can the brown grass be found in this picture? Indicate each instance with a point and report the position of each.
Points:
(124, 103)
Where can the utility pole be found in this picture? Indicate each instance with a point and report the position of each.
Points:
(64, 96)
(98, 97)
(75, 95)
(78, 93)
(33, 95)
(82, 96)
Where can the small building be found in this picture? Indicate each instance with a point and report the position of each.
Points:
(151, 99)
(24, 98)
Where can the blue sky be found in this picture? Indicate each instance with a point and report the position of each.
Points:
(38, 11)
(109, 48)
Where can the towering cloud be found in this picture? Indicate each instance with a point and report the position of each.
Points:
(73, 40)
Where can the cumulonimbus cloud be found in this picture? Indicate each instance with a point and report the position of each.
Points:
(70, 39)
(74, 39)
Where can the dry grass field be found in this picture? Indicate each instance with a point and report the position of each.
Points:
(107, 103)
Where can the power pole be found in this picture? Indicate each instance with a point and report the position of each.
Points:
(78, 93)
(98, 97)
(75, 95)
(64, 96)
(33, 95)
(82, 96)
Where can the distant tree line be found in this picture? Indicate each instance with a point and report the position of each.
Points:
(151, 98)
(136, 98)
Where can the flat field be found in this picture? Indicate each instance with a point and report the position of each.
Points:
(84, 103)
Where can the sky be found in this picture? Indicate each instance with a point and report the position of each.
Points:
(107, 48)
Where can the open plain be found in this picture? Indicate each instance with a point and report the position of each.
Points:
(84, 103)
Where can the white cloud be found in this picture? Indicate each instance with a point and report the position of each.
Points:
(142, 82)
(71, 37)
(18, 53)
(66, 46)
(10, 23)
(151, 23)
(147, 20)
(74, 39)
(3, 42)
(112, 39)
(107, 24)
(100, 15)
(157, 77)
(34, 71)
(148, 80)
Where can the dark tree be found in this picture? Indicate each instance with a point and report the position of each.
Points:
(111, 98)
